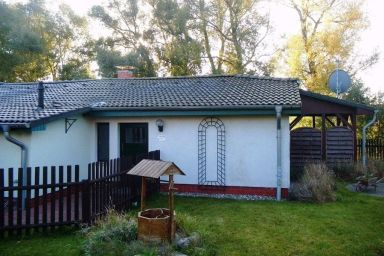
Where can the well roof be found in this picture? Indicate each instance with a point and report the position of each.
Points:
(155, 169)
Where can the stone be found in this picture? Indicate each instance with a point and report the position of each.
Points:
(185, 242)
(178, 254)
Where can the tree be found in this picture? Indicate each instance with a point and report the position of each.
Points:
(360, 94)
(122, 17)
(329, 30)
(233, 33)
(108, 58)
(126, 46)
(64, 36)
(67, 44)
(74, 69)
(20, 47)
(177, 50)
(36, 44)
(378, 102)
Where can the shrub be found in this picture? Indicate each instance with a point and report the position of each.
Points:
(116, 234)
(296, 174)
(317, 184)
(348, 171)
(110, 235)
(376, 167)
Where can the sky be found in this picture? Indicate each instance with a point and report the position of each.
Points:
(286, 22)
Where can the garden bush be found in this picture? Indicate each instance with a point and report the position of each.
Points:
(317, 184)
(116, 234)
(110, 235)
(348, 171)
(296, 174)
(376, 167)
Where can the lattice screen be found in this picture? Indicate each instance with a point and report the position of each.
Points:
(220, 142)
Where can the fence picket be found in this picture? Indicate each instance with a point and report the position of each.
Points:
(93, 186)
(97, 190)
(60, 194)
(10, 197)
(36, 200)
(53, 194)
(19, 202)
(69, 193)
(28, 199)
(374, 149)
(76, 192)
(45, 187)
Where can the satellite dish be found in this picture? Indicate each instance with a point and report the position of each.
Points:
(339, 81)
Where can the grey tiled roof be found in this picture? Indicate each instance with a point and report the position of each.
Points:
(18, 102)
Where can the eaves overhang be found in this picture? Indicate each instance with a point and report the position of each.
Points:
(194, 111)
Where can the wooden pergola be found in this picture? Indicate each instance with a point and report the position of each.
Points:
(332, 111)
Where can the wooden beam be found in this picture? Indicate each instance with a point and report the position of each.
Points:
(338, 121)
(171, 208)
(323, 139)
(143, 190)
(354, 129)
(329, 121)
(345, 122)
(295, 122)
(313, 121)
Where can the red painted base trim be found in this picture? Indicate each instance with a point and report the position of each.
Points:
(233, 190)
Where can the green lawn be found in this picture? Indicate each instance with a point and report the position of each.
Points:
(354, 225)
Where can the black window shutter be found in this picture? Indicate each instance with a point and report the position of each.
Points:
(102, 142)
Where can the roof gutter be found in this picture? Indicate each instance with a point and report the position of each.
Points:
(193, 111)
(15, 125)
(252, 107)
(24, 157)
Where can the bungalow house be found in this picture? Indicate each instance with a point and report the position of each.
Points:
(228, 133)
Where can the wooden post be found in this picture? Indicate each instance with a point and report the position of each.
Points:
(86, 199)
(143, 188)
(354, 129)
(323, 138)
(171, 208)
(313, 121)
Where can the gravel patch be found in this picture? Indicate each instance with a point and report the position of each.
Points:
(228, 196)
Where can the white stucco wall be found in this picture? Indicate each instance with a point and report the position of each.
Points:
(250, 147)
(52, 146)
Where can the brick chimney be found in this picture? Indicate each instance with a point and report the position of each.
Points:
(125, 72)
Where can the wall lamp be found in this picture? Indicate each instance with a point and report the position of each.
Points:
(160, 124)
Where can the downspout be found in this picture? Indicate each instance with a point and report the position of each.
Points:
(24, 157)
(364, 142)
(279, 169)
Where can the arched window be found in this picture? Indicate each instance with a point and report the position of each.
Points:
(214, 140)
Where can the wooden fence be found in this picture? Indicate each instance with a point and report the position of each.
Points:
(338, 146)
(375, 149)
(109, 186)
(55, 196)
(49, 200)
